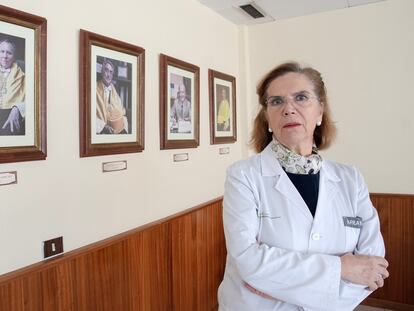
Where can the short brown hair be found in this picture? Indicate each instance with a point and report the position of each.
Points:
(323, 135)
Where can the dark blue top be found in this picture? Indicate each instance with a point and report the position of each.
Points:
(308, 187)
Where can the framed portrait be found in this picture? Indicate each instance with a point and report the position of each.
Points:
(111, 103)
(222, 96)
(23, 39)
(179, 103)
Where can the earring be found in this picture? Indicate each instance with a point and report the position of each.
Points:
(270, 130)
(318, 123)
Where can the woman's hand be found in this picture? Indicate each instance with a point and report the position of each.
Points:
(13, 120)
(365, 270)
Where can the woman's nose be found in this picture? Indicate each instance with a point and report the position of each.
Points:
(289, 108)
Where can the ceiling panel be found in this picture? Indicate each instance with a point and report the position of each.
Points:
(239, 17)
(361, 2)
(291, 8)
(224, 4)
(277, 9)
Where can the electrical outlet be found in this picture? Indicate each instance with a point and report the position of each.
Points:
(52, 247)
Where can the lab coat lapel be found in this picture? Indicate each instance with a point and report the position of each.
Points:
(328, 186)
(271, 167)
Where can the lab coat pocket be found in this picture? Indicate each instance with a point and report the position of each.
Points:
(268, 216)
(351, 238)
(268, 228)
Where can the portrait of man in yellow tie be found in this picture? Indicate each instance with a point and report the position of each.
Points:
(12, 86)
(111, 116)
(223, 108)
(222, 98)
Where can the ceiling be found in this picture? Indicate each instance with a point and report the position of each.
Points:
(274, 10)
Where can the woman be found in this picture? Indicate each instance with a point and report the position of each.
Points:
(12, 91)
(301, 232)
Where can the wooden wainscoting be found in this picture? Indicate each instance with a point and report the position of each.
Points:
(396, 214)
(173, 264)
(177, 264)
(199, 254)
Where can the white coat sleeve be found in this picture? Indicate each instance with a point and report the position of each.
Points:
(307, 280)
(370, 242)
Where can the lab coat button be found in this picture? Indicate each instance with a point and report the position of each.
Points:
(316, 236)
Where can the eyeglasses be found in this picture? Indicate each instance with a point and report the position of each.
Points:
(301, 98)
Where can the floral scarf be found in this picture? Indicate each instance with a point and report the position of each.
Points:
(296, 163)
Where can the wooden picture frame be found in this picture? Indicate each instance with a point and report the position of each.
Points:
(222, 97)
(179, 104)
(23, 37)
(111, 98)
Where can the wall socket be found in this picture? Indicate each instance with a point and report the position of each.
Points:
(52, 247)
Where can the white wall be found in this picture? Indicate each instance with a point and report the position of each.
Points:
(69, 196)
(365, 54)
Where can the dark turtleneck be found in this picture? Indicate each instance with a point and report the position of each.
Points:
(308, 187)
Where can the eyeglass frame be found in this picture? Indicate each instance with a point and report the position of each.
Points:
(291, 98)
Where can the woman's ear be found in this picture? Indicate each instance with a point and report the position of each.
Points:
(265, 116)
(322, 108)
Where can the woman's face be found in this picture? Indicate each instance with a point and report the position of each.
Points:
(6, 55)
(293, 111)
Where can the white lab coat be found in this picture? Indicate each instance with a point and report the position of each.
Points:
(275, 245)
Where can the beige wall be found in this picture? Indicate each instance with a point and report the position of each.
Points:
(69, 196)
(366, 57)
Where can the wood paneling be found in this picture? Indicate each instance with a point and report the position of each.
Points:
(198, 259)
(173, 264)
(216, 252)
(11, 295)
(396, 214)
(178, 263)
(131, 274)
(150, 284)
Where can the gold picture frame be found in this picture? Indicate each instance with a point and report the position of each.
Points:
(111, 103)
(22, 86)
